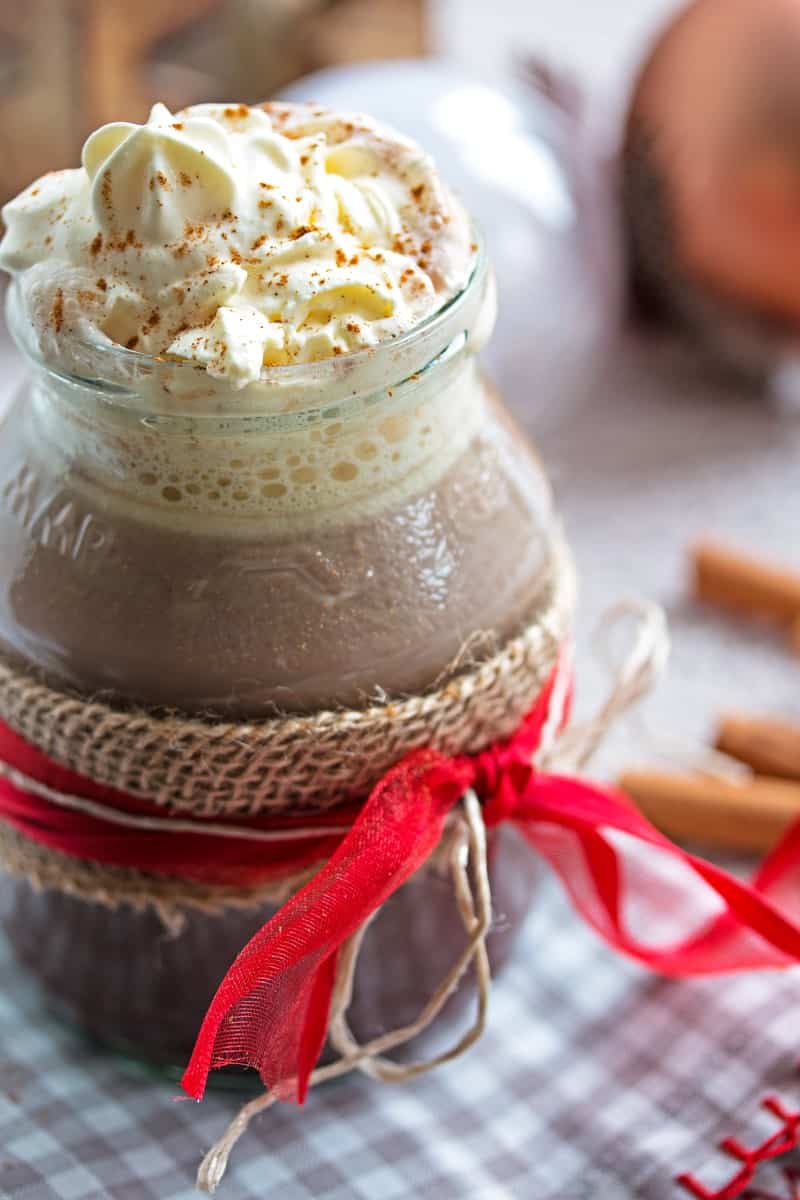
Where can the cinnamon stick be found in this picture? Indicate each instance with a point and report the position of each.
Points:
(768, 745)
(794, 636)
(745, 584)
(748, 816)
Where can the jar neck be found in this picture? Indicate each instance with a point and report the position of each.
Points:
(333, 464)
(307, 443)
(159, 387)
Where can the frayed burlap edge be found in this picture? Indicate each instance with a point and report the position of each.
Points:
(293, 762)
(46, 869)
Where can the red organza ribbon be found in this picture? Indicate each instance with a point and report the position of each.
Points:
(673, 912)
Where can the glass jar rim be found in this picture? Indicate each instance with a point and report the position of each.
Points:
(175, 387)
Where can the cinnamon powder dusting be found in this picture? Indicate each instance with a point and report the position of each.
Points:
(343, 238)
(58, 310)
(106, 196)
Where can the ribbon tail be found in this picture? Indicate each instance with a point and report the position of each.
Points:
(271, 1010)
(670, 910)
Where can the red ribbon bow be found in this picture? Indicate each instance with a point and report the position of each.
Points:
(271, 1009)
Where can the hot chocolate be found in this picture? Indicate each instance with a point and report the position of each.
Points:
(256, 470)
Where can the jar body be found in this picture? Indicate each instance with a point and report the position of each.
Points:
(115, 579)
(239, 564)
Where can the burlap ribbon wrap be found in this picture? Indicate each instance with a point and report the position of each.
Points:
(281, 764)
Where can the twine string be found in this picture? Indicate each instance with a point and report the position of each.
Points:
(115, 816)
(468, 847)
(633, 679)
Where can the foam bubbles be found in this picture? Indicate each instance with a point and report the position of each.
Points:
(332, 471)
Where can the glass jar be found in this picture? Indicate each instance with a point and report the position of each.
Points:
(333, 533)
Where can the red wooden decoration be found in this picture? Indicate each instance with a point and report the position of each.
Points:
(786, 1139)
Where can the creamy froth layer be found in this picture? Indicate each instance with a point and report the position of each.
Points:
(236, 238)
(294, 474)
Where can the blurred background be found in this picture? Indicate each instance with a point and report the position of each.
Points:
(67, 66)
(493, 91)
(526, 105)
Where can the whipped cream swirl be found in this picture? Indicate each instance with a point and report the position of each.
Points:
(236, 237)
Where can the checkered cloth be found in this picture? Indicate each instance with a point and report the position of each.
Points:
(594, 1081)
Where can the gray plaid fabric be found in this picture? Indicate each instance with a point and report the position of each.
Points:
(594, 1082)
